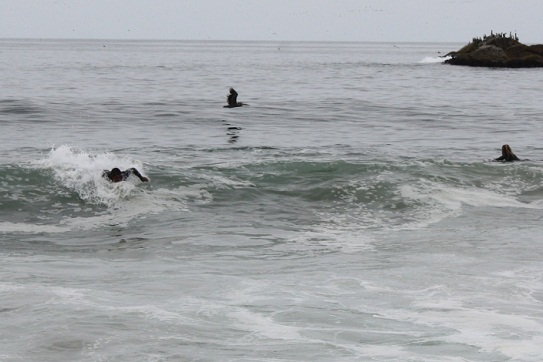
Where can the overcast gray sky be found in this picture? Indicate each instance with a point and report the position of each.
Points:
(327, 20)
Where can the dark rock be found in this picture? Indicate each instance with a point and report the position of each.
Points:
(498, 50)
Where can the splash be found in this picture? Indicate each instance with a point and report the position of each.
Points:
(433, 60)
(81, 172)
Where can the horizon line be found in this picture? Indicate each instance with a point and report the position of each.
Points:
(227, 40)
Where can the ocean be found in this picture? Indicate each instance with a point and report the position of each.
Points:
(350, 211)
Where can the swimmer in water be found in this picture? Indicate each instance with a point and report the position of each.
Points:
(507, 155)
(116, 175)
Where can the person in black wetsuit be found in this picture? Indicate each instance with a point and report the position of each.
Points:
(116, 175)
(507, 155)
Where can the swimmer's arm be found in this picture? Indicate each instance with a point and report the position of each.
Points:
(136, 172)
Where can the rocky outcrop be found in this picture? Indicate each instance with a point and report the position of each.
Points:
(498, 50)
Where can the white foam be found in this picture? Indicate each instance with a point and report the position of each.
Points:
(433, 60)
(122, 211)
(334, 233)
(265, 326)
(9, 227)
(84, 297)
(453, 198)
(9, 287)
(442, 202)
(477, 318)
(81, 172)
(483, 327)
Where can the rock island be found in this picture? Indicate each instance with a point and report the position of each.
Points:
(498, 50)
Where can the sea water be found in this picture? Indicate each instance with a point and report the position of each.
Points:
(349, 212)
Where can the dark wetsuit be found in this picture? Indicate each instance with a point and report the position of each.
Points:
(508, 158)
(124, 174)
(507, 155)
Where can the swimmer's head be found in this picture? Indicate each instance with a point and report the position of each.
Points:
(115, 175)
(506, 150)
